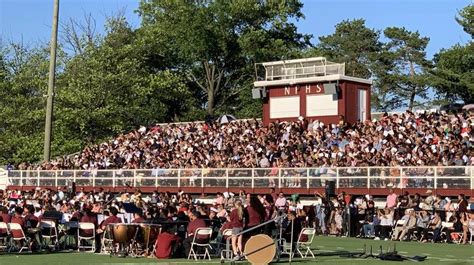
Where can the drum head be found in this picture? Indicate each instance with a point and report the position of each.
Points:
(260, 249)
(123, 233)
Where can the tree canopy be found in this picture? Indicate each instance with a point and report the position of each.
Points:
(190, 59)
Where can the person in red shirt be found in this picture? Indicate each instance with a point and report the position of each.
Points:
(18, 219)
(138, 218)
(31, 221)
(88, 217)
(166, 243)
(194, 224)
(112, 219)
(4, 214)
(254, 215)
(237, 224)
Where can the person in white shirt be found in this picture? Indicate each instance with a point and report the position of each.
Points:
(281, 202)
(386, 222)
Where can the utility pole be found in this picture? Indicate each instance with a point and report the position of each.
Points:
(51, 81)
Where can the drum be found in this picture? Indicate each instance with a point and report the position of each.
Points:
(149, 233)
(123, 233)
(260, 249)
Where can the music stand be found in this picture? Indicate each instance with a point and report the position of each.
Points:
(130, 209)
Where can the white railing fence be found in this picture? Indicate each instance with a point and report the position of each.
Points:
(344, 177)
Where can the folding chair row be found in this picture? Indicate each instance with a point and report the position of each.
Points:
(12, 236)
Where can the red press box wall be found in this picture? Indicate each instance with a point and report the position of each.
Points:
(347, 102)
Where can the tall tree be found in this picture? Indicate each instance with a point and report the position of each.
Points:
(108, 89)
(453, 74)
(409, 74)
(23, 82)
(216, 43)
(354, 44)
(465, 18)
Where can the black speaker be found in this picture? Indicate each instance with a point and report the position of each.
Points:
(330, 188)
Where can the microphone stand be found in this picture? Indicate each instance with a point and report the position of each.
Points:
(291, 245)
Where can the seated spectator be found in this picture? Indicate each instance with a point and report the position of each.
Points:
(138, 217)
(112, 219)
(422, 225)
(166, 244)
(195, 223)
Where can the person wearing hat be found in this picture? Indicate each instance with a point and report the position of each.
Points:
(195, 223)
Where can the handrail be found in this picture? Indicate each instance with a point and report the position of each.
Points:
(276, 219)
(433, 177)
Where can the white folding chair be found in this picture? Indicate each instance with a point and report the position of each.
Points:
(4, 235)
(80, 236)
(49, 232)
(203, 235)
(107, 241)
(445, 226)
(225, 250)
(398, 223)
(17, 235)
(305, 239)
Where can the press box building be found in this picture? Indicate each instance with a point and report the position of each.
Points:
(313, 88)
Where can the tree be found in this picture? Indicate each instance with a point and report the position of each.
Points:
(78, 35)
(108, 89)
(215, 43)
(352, 43)
(383, 96)
(466, 19)
(453, 74)
(409, 73)
(23, 82)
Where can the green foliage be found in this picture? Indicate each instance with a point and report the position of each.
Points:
(24, 75)
(466, 19)
(193, 58)
(354, 44)
(215, 43)
(453, 75)
(405, 71)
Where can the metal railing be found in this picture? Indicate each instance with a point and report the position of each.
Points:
(344, 177)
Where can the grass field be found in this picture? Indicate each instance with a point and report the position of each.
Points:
(329, 251)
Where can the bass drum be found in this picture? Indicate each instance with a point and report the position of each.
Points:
(123, 233)
(148, 233)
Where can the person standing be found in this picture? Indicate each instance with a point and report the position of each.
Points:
(254, 215)
(237, 224)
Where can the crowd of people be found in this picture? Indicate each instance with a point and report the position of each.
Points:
(428, 218)
(406, 139)
(179, 215)
(403, 217)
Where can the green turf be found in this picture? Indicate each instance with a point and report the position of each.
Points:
(329, 250)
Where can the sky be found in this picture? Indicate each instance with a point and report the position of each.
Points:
(29, 21)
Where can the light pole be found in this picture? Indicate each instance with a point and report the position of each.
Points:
(51, 81)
